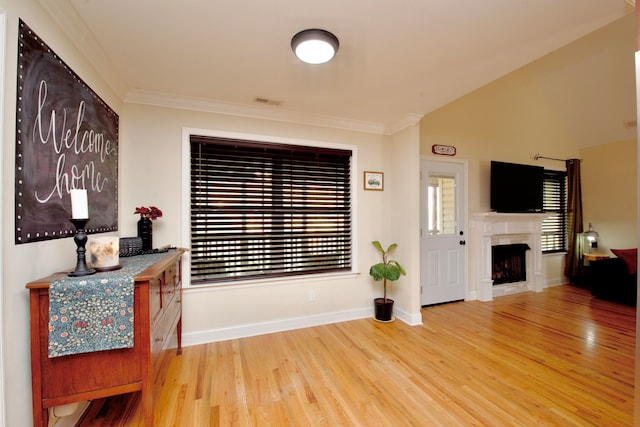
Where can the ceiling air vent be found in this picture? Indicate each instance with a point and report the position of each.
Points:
(267, 101)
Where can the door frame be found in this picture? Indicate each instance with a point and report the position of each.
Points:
(465, 214)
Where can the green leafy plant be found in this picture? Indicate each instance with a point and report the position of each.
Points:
(388, 269)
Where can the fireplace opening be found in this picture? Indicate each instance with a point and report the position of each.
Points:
(509, 263)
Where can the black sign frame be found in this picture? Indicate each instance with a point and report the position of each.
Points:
(66, 138)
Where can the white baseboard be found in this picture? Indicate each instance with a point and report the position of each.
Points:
(243, 331)
(556, 282)
(408, 318)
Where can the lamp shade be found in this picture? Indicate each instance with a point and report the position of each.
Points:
(315, 46)
(591, 235)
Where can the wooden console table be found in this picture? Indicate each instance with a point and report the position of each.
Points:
(157, 306)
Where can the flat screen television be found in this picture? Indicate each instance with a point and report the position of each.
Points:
(516, 188)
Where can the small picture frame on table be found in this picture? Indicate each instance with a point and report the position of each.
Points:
(373, 181)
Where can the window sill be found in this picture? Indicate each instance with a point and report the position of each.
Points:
(550, 254)
(252, 283)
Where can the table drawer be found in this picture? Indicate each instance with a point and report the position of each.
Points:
(165, 328)
(155, 300)
(169, 284)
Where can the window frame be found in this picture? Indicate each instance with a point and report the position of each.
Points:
(259, 139)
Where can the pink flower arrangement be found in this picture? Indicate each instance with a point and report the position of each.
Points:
(150, 212)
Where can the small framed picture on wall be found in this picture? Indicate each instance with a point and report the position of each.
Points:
(374, 181)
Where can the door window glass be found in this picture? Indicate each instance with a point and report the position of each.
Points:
(441, 205)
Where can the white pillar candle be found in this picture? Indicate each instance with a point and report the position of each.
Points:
(79, 204)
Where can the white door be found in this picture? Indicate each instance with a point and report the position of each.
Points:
(443, 238)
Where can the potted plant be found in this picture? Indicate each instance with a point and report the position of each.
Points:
(145, 229)
(390, 270)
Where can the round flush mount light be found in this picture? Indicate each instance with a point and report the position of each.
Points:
(314, 46)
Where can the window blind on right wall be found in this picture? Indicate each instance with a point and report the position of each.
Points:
(554, 227)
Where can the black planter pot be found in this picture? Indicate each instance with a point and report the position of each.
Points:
(145, 232)
(384, 309)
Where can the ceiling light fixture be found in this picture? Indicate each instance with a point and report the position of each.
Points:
(315, 46)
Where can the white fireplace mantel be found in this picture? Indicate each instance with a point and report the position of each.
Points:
(488, 229)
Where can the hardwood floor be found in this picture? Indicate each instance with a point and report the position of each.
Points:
(555, 358)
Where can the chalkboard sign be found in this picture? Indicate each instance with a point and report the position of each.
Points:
(66, 138)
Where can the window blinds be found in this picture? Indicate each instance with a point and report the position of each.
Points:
(264, 210)
(554, 203)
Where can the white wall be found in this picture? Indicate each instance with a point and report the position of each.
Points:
(150, 173)
(3, 24)
(27, 262)
(402, 215)
(610, 193)
(151, 155)
(508, 120)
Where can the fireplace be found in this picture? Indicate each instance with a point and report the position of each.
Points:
(521, 272)
(509, 263)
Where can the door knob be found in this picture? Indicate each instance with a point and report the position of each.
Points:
(463, 242)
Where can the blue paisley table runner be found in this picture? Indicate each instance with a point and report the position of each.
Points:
(94, 313)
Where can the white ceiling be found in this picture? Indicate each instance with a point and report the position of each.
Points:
(397, 61)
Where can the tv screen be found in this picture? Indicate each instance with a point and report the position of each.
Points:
(516, 188)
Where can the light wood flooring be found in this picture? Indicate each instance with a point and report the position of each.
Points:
(554, 358)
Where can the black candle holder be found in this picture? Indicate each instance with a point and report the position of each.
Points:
(82, 269)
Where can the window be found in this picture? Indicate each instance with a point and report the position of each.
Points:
(265, 210)
(554, 228)
(441, 205)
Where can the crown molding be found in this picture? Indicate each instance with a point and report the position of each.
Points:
(409, 120)
(81, 37)
(65, 15)
(273, 113)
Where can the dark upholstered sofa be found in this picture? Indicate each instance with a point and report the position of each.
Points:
(613, 279)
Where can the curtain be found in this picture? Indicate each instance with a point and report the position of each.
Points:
(574, 266)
